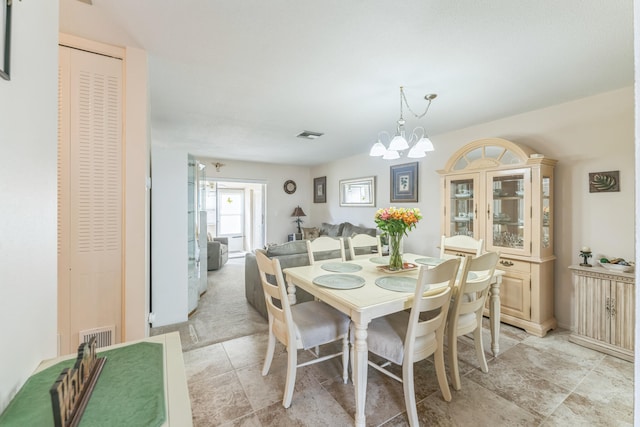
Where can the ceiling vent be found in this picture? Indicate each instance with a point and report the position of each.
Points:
(310, 135)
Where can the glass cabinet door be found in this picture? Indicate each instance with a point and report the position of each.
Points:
(547, 215)
(508, 196)
(462, 210)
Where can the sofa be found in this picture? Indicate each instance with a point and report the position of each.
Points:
(292, 254)
(217, 252)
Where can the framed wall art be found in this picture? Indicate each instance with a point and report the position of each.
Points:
(404, 183)
(320, 190)
(600, 182)
(5, 37)
(358, 192)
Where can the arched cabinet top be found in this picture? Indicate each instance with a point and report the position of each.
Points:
(492, 153)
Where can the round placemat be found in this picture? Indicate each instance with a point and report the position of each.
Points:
(341, 267)
(430, 261)
(397, 283)
(339, 281)
(380, 260)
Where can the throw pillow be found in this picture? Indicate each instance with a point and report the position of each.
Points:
(331, 230)
(310, 233)
(350, 230)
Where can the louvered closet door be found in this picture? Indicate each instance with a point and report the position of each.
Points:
(91, 159)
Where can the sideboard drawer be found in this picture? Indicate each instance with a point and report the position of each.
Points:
(507, 264)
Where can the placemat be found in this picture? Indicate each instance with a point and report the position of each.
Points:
(379, 260)
(397, 283)
(130, 391)
(341, 267)
(430, 261)
(339, 281)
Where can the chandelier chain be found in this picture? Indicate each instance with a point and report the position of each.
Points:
(404, 98)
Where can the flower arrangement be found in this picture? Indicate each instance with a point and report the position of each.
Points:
(396, 222)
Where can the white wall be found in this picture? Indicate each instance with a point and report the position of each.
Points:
(169, 252)
(28, 129)
(588, 135)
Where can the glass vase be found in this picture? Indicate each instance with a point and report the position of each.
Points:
(395, 251)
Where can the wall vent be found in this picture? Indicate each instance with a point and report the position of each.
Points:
(307, 134)
(104, 336)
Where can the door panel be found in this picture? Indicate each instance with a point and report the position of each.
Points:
(90, 154)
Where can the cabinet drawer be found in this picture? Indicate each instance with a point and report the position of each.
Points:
(513, 265)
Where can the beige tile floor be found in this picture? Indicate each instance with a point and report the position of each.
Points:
(533, 382)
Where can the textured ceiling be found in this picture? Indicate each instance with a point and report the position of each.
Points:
(240, 79)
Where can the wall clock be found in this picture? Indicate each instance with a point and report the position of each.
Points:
(290, 186)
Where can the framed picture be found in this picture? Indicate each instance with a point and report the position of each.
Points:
(404, 183)
(358, 192)
(320, 190)
(600, 182)
(5, 37)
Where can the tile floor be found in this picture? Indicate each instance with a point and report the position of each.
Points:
(533, 382)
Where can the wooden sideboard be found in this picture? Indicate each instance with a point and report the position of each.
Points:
(604, 310)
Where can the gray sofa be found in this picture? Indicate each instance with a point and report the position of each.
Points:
(292, 254)
(217, 253)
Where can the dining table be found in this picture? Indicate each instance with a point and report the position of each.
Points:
(365, 289)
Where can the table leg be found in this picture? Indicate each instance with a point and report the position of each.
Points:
(494, 315)
(360, 368)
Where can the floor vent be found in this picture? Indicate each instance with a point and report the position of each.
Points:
(104, 336)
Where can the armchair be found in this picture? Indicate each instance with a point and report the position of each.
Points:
(217, 252)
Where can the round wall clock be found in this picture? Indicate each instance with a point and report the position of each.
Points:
(289, 187)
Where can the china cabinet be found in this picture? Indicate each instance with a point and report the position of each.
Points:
(604, 310)
(502, 192)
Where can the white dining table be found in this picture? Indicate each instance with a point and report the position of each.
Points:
(371, 301)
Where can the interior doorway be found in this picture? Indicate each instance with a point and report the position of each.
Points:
(235, 209)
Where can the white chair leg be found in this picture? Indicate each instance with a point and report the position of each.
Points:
(441, 374)
(345, 358)
(477, 337)
(409, 393)
(290, 383)
(268, 358)
(453, 359)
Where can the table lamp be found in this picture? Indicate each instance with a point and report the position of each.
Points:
(298, 212)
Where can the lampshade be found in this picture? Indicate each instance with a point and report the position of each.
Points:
(391, 155)
(298, 212)
(424, 144)
(398, 143)
(377, 150)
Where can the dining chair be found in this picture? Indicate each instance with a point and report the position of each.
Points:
(325, 244)
(465, 314)
(300, 326)
(403, 338)
(460, 243)
(366, 242)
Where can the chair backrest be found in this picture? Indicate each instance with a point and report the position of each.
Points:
(471, 293)
(325, 244)
(416, 348)
(363, 241)
(460, 243)
(276, 298)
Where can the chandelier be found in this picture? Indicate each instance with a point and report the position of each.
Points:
(419, 139)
